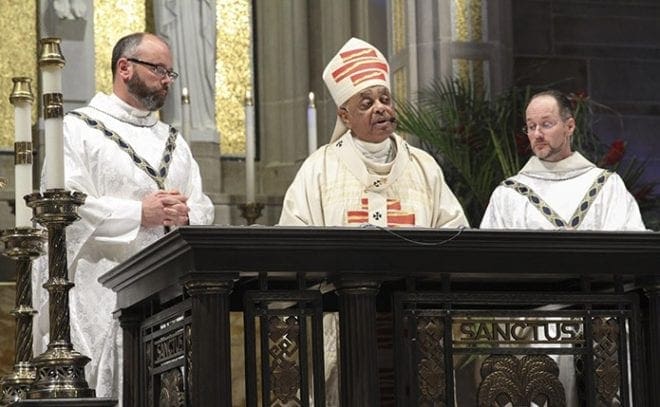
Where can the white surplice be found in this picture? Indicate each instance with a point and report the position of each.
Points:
(338, 186)
(109, 230)
(563, 185)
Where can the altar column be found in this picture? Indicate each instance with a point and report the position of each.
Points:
(357, 341)
(652, 330)
(129, 321)
(211, 341)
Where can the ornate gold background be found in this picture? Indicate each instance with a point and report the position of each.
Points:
(113, 20)
(18, 57)
(467, 26)
(233, 72)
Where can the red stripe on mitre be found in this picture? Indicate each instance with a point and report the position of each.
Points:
(347, 56)
(355, 67)
(361, 77)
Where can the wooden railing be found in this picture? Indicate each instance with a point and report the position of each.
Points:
(426, 317)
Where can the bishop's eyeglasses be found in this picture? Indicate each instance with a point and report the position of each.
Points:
(155, 68)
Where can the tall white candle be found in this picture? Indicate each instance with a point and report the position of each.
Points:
(250, 148)
(312, 136)
(51, 63)
(185, 114)
(22, 98)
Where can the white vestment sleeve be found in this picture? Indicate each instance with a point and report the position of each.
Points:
(448, 212)
(493, 217)
(622, 211)
(302, 199)
(202, 211)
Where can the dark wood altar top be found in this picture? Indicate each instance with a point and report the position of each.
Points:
(233, 252)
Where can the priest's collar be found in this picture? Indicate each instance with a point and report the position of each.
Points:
(112, 105)
(571, 166)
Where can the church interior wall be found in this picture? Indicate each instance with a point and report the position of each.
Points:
(609, 51)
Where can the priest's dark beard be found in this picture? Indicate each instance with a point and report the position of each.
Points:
(151, 99)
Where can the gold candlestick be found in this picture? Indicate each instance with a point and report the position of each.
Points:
(22, 245)
(61, 369)
(251, 211)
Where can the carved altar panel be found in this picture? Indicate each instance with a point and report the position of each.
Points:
(166, 361)
(519, 354)
(284, 348)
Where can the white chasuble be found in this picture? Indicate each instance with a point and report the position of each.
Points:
(109, 230)
(563, 186)
(337, 186)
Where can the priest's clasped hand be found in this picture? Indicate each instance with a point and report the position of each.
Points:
(165, 208)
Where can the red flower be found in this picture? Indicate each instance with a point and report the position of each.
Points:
(615, 153)
(643, 193)
(576, 98)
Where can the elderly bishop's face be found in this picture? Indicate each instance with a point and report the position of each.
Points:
(369, 114)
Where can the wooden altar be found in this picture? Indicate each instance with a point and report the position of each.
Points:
(518, 305)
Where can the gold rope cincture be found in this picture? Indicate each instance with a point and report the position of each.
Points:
(549, 213)
(158, 176)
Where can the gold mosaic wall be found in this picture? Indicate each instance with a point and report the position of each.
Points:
(398, 25)
(474, 70)
(18, 57)
(113, 20)
(399, 76)
(233, 75)
(467, 20)
(400, 79)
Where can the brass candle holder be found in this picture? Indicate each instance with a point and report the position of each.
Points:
(251, 211)
(22, 245)
(60, 370)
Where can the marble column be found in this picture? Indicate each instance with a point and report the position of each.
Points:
(282, 72)
(330, 28)
(432, 45)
